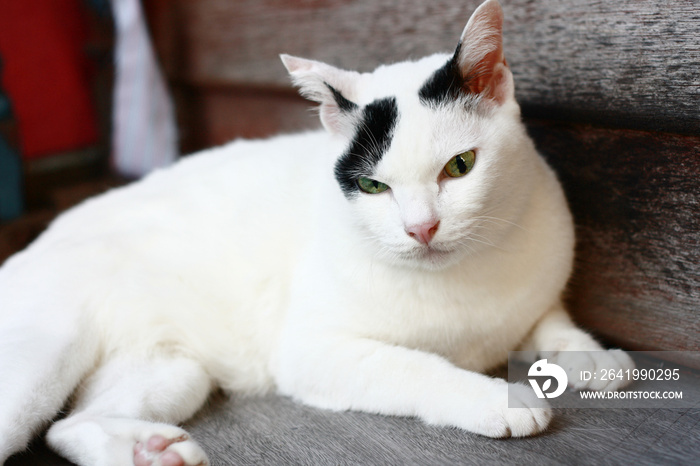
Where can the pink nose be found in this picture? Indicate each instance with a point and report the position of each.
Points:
(423, 232)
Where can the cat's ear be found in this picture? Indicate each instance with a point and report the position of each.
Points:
(332, 87)
(479, 55)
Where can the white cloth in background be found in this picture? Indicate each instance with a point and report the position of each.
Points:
(144, 135)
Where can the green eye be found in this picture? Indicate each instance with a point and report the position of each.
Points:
(371, 186)
(460, 164)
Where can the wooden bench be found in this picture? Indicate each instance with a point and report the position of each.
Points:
(610, 92)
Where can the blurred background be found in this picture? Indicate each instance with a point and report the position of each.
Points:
(56, 79)
(96, 93)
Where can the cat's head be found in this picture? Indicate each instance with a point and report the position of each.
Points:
(435, 151)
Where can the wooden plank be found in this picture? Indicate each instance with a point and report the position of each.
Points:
(212, 115)
(636, 199)
(628, 63)
(42, 176)
(17, 234)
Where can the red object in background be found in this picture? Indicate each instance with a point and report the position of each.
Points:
(46, 74)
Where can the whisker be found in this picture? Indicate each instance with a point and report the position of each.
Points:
(471, 238)
(496, 219)
(466, 246)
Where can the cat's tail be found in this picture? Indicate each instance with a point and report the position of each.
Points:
(45, 350)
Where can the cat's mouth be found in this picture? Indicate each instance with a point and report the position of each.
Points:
(429, 255)
(434, 253)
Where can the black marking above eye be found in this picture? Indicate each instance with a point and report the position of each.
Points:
(372, 139)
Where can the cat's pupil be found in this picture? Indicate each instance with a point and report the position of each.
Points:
(461, 164)
(376, 184)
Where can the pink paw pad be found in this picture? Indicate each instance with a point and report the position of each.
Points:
(154, 452)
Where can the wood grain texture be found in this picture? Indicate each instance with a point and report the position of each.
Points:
(636, 201)
(627, 63)
(212, 115)
(16, 235)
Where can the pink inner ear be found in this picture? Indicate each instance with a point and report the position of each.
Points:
(496, 85)
(482, 62)
(486, 77)
(487, 73)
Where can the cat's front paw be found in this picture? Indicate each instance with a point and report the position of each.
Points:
(526, 415)
(591, 370)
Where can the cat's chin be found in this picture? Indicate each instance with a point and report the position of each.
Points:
(428, 258)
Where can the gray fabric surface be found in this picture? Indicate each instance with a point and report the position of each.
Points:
(274, 430)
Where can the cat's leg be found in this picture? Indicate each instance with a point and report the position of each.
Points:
(42, 359)
(125, 412)
(352, 373)
(558, 339)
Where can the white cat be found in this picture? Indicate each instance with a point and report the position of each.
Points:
(379, 265)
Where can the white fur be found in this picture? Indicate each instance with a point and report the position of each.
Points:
(246, 267)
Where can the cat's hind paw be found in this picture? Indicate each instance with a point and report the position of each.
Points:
(603, 368)
(161, 451)
(107, 441)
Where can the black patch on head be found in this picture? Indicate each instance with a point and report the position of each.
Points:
(371, 141)
(343, 104)
(445, 84)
